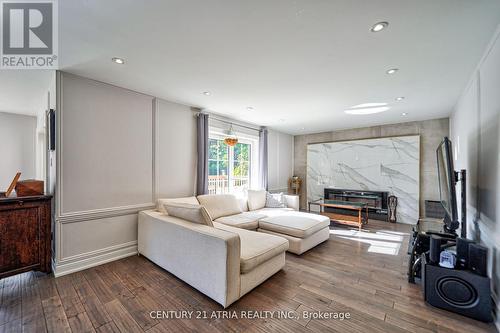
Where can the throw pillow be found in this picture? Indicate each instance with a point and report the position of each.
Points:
(219, 205)
(256, 199)
(161, 202)
(275, 200)
(193, 213)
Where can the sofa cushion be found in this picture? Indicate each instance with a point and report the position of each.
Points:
(256, 247)
(256, 199)
(272, 211)
(245, 220)
(192, 213)
(292, 201)
(161, 202)
(301, 245)
(296, 224)
(219, 205)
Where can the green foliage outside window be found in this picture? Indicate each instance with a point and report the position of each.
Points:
(218, 159)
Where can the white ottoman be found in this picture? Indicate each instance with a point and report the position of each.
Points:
(303, 230)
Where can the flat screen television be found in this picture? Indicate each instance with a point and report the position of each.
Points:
(447, 180)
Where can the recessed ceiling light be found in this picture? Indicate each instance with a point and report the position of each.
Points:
(367, 110)
(249, 108)
(119, 61)
(392, 70)
(282, 120)
(368, 105)
(404, 114)
(302, 128)
(379, 26)
(399, 98)
(206, 93)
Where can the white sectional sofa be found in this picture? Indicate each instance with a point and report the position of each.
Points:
(222, 262)
(228, 258)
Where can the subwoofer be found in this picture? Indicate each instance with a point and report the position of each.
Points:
(459, 291)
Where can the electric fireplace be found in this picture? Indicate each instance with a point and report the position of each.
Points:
(376, 200)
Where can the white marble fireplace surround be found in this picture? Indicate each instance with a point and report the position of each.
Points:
(383, 164)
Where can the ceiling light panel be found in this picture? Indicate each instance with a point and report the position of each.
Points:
(379, 26)
(367, 110)
(368, 105)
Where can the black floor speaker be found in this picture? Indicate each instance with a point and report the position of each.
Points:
(478, 259)
(463, 252)
(435, 249)
(459, 291)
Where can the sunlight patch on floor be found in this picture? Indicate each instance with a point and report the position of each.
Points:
(394, 232)
(379, 241)
(378, 235)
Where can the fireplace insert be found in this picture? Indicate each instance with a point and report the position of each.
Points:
(376, 200)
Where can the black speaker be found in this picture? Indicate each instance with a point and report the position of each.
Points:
(463, 252)
(435, 249)
(458, 291)
(478, 259)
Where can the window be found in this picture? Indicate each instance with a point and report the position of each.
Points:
(230, 169)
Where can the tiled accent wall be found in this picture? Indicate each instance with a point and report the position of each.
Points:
(431, 133)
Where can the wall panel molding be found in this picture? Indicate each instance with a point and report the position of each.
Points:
(89, 237)
(103, 250)
(111, 150)
(103, 213)
(94, 258)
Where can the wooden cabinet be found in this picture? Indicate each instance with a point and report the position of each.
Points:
(25, 234)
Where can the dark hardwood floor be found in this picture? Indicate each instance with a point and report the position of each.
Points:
(363, 274)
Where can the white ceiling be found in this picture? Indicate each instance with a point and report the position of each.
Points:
(24, 91)
(299, 63)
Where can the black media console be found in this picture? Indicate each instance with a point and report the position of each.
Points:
(376, 200)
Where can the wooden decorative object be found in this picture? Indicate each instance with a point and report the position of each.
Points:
(392, 204)
(294, 185)
(13, 184)
(29, 187)
(25, 235)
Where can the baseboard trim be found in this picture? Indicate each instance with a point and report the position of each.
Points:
(96, 258)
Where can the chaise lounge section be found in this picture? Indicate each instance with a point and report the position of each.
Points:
(222, 262)
(303, 230)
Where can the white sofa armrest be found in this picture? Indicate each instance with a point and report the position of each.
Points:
(292, 201)
(202, 256)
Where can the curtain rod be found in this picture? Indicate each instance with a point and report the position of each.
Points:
(232, 123)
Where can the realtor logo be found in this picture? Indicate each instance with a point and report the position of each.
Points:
(29, 34)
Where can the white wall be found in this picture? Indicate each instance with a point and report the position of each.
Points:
(17, 147)
(176, 150)
(280, 160)
(475, 134)
(118, 150)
